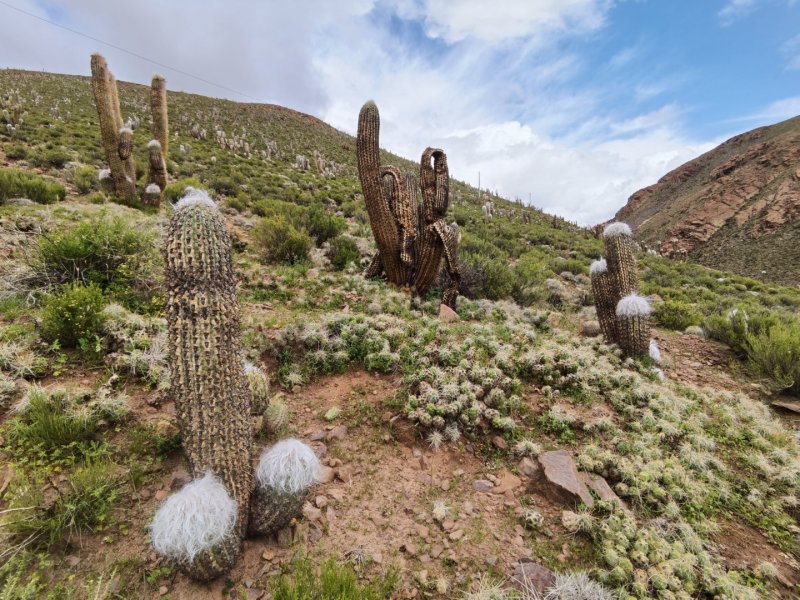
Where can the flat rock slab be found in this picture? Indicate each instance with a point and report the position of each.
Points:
(561, 479)
(600, 486)
(792, 405)
(531, 574)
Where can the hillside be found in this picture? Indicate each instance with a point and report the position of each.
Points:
(736, 207)
(577, 468)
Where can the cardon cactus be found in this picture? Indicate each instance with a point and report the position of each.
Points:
(158, 108)
(619, 245)
(152, 195)
(633, 325)
(104, 88)
(411, 239)
(125, 143)
(605, 299)
(211, 396)
(284, 475)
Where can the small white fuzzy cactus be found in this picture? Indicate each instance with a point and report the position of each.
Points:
(194, 196)
(290, 466)
(195, 519)
(633, 305)
(152, 188)
(655, 352)
(599, 266)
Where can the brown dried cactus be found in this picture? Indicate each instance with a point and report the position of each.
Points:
(619, 244)
(158, 107)
(411, 239)
(605, 300)
(211, 395)
(104, 88)
(633, 325)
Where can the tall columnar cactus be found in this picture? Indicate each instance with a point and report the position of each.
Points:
(619, 244)
(211, 394)
(284, 475)
(411, 239)
(158, 107)
(381, 217)
(633, 325)
(157, 169)
(605, 299)
(104, 88)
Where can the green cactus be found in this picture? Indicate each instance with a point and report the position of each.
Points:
(211, 394)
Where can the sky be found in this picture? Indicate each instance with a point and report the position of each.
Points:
(571, 105)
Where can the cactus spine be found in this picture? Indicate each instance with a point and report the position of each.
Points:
(211, 394)
(411, 239)
(623, 315)
(104, 88)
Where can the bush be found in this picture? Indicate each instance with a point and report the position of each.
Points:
(85, 178)
(734, 327)
(74, 316)
(16, 152)
(294, 213)
(323, 226)
(18, 184)
(344, 250)
(55, 157)
(175, 191)
(102, 250)
(278, 241)
(775, 353)
(676, 315)
(483, 277)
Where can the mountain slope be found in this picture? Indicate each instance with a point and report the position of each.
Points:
(734, 208)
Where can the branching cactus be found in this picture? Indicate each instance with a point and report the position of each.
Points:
(633, 325)
(619, 244)
(211, 396)
(605, 299)
(284, 475)
(382, 219)
(104, 88)
(411, 239)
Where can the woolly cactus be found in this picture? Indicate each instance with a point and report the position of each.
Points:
(619, 245)
(411, 242)
(104, 88)
(284, 475)
(633, 325)
(211, 396)
(605, 299)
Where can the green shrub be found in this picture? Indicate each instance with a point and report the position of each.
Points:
(175, 191)
(676, 315)
(85, 178)
(278, 241)
(74, 316)
(343, 251)
(294, 213)
(54, 157)
(102, 250)
(732, 328)
(483, 277)
(301, 580)
(323, 226)
(18, 184)
(775, 353)
(16, 152)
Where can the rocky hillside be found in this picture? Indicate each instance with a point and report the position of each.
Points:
(736, 207)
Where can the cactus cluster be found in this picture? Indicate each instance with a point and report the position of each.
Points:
(202, 526)
(411, 237)
(118, 138)
(624, 316)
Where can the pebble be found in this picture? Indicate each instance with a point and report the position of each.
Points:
(482, 485)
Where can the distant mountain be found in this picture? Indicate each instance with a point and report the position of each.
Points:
(735, 208)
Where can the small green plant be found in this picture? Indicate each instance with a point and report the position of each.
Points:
(74, 316)
(775, 353)
(279, 242)
(343, 251)
(17, 184)
(323, 226)
(85, 178)
(177, 190)
(676, 315)
(330, 581)
(54, 157)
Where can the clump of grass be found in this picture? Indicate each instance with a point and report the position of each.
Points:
(330, 581)
(18, 184)
(775, 353)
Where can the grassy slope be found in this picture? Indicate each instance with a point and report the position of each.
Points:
(694, 457)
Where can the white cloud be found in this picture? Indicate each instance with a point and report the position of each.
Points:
(735, 10)
(790, 49)
(779, 110)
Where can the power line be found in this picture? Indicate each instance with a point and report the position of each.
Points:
(139, 56)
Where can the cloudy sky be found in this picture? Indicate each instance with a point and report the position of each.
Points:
(574, 104)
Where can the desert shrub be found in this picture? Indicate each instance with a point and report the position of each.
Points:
(85, 178)
(294, 213)
(74, 315)
(343, 251)
(483, 277)
(734, 326)
(54, 157)
(18, 184)
(16, 152)
(278, 241)
(323, 226)
(105, 251)
(176, 190)
(775, 353)
(676, 315)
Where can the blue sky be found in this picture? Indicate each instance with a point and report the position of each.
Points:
(575, 104)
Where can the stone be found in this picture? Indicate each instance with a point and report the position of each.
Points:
(268, 554)
(163, 590)
(506, 483)
(499, 443)
(560, 479)
(482, 485)
(447, 314)
(590, 329)
(532, 575)
(529, 468)
(317, 436)
(792, 405)
(320, 502)
(344, 474)
(337, 433)
(311, 513)
(456, 535)
(409, 548)
(325, 475)
(161, 495)
(179, 479)
(600, 486)
(425, 478)
(254, 594)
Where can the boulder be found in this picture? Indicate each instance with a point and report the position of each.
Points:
(560, 479)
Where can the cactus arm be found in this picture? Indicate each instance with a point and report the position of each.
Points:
(125, 143)
(401, 192)
(375, 267)
(434, 180)
(381, 217)
(449, 238)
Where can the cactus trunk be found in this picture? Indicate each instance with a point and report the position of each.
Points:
(272, 510)
(210, 389)
(605, 302)
(622, 264)
(633, 334)
(158, 106)
(104, 88)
